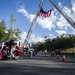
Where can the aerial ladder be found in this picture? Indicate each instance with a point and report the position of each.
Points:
(64, 14)
(33, 24)
(69, 19)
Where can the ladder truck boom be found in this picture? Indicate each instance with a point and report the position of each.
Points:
(33, 24)
(69, 19)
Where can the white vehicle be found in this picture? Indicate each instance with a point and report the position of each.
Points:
(32, 52)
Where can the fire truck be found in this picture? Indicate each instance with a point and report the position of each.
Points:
(10, 49)
(63, 13)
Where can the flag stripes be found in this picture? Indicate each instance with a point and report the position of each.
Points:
(44, 13)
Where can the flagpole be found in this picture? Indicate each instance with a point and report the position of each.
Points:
(33, 24)
(69, 19)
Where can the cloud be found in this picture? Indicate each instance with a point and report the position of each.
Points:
(23, 36)
(73, 10)
(73, 5)
(56, 20)
(25, 13)
(61, 22)
(46, 23)
(33, 38)
(60, 32)
(36, 38)
(51, 36)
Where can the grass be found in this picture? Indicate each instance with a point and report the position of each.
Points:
(68, 51)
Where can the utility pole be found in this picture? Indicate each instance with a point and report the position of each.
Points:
(64, 14)
(12, 20)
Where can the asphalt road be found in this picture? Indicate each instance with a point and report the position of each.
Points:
(38, 65)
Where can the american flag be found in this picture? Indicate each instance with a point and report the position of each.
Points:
(44, 13)
(45, 36)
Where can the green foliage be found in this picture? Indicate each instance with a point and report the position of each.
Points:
(14, 33)
(11, 32)
(17, 33)
(68, 51)
(61, 42)
(2, 30)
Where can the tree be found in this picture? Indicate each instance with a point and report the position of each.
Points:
(13, 33)
(17, 33)
(2, 30)
(39, 46)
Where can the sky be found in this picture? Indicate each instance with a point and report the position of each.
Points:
(25, 10)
